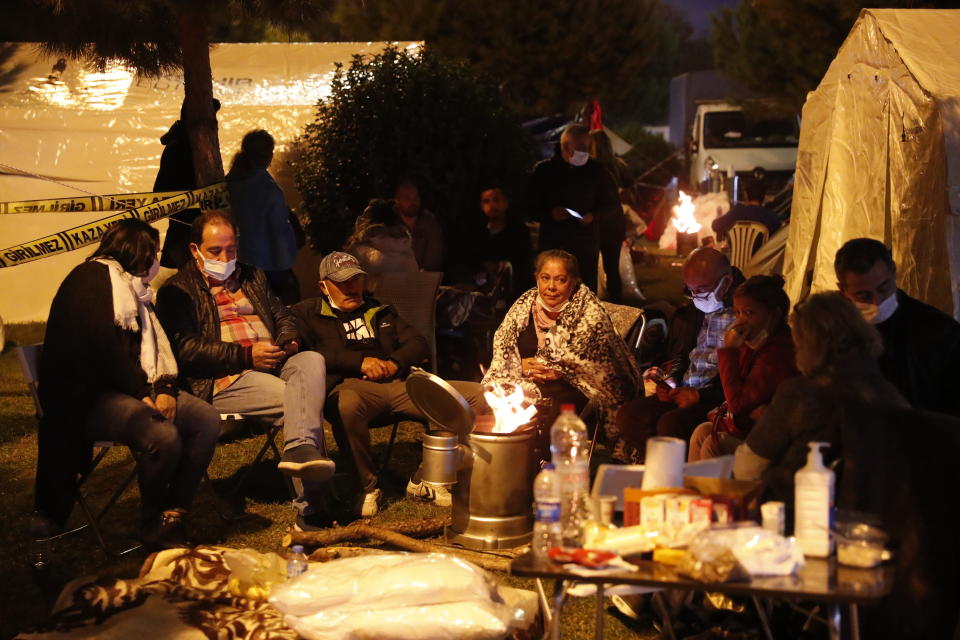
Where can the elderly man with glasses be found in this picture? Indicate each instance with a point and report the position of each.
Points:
(688, 384)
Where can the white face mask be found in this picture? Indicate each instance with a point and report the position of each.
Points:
(218, 270)
(877, 313)
(710, 302)
(557, 309)
(151, 272)
(579, 158)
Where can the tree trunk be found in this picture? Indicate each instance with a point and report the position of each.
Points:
(199, 117)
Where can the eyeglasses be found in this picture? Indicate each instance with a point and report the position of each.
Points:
(702, 294)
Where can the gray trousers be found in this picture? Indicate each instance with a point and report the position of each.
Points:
(358, 402)
(294, 399)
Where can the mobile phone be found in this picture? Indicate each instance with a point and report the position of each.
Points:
(573, 213)
(661, 382)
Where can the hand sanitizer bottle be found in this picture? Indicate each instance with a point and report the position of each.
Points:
(813, 504)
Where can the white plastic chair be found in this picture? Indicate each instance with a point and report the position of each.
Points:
(742, 237)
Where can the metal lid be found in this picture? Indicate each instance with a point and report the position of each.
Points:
(439, 402)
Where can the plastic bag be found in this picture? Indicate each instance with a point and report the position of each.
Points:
(760, 551)
(253, 574)
(386, 581)
(469, 620)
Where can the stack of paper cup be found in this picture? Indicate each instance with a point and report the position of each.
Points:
(664, 463)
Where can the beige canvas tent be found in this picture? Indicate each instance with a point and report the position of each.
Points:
(98, 132)
(879, 156)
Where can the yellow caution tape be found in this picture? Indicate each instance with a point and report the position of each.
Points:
(216, 199)
(87, 234)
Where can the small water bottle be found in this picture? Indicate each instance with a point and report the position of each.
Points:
(569, 448)
(546, 524)
(296, 561)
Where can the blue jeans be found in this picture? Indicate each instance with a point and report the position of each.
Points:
(173, 455)
(294, 399)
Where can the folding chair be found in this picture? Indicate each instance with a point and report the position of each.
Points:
(29, 357)
(414, 296)
(742, 238)
(233, 423)
(631, 324)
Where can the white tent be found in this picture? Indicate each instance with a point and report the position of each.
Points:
(99, 132)
(879, 156)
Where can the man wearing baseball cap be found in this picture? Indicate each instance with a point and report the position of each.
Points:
(368, 349)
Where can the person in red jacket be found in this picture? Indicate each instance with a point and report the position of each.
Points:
(756, 357)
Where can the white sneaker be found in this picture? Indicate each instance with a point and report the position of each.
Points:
(368, 504)
(424, 492)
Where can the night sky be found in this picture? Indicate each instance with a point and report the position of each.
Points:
(698, 12)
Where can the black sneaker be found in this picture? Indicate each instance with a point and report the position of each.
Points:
(165, 532)
(307, 462)
(313, 522)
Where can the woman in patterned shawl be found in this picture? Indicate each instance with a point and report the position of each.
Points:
(558, 344)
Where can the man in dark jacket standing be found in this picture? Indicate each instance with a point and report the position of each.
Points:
(176, 174)
(570, 195)
(237, 347)
(369, 350)
(921, 344)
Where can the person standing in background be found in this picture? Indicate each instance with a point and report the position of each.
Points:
(176, 174)
(612, 229)
(572, 181)
(267, 236)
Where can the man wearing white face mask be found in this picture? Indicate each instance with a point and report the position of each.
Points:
(237, 347)
(688, 385)
(569, 194)
(921, 344)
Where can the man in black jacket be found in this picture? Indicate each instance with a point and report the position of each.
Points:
(573, 182)
(237, 348)
(369, 350)
(921, 344)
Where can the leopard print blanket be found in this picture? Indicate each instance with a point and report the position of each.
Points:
(583, 346)
(181, 593)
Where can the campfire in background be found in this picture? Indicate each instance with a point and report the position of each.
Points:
(510, 408)
(686, 224)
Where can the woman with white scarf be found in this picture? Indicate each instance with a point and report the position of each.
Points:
(558, 343)
(107, 373)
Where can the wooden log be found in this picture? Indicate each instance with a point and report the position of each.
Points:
(361, 529)
(326, 554)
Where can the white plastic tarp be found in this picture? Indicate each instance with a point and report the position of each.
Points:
(879, 156)
(99, 132)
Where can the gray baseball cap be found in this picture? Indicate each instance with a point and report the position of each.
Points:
(339, 266)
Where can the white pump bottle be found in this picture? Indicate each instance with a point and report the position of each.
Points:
(813, 504)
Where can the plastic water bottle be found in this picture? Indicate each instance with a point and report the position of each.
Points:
(813, 504)
(569, 448)
(546, 525)
(296, 562)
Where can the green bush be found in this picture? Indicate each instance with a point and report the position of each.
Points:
(401, 114)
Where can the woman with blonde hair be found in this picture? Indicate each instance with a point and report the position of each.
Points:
(837, 353)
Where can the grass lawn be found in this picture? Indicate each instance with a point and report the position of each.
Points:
(26, 595)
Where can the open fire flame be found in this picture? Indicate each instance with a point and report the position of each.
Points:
(508, 407)
(683, 218)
